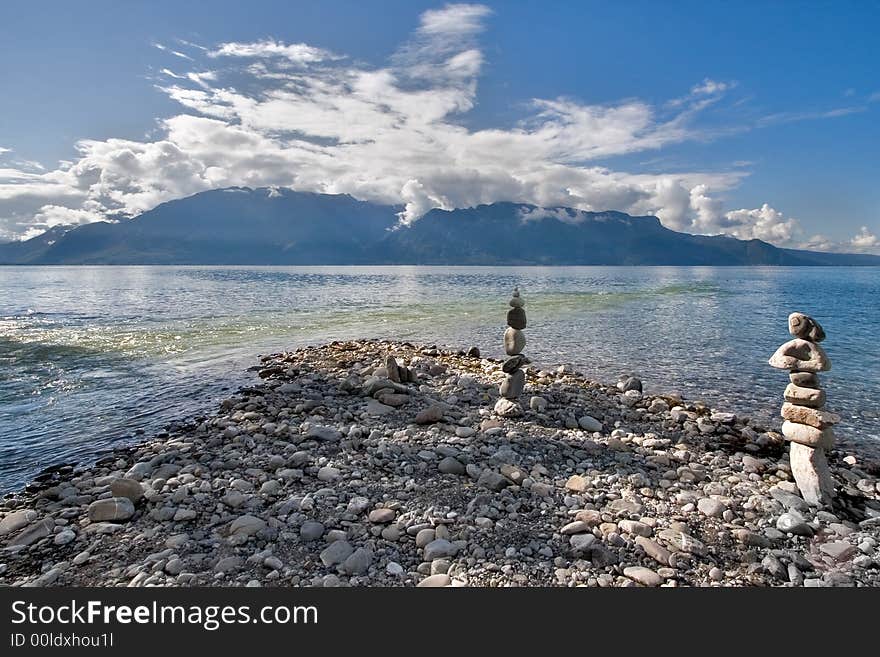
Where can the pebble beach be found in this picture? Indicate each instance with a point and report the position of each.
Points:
(377, 463)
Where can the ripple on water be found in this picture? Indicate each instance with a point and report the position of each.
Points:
(91, 354)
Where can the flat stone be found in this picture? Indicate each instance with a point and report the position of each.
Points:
(228, 565)
(115, 509)
(812, 397)
(811, 416)
(654, 550)
(839, 550)
(807, 435)
(635, 528)
(804, 379)
(642, 575)
(683, 542)
(34, 532)
(326, 434)
(393, 399)
(15, 520)
(625, 506)
(512, 364)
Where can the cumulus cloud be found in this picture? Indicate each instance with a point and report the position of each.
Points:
(865, 240)
(273, 114)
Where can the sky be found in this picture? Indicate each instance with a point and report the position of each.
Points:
(753, 119)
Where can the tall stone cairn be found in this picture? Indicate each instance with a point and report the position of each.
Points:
(806, 425)
(514, 342)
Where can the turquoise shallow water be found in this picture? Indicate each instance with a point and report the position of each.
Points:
(91, 355)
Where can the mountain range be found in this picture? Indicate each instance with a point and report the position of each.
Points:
(266, 226)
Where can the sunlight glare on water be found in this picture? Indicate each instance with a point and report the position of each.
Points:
(89, 355)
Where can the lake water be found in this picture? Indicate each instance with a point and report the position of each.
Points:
(91, 355)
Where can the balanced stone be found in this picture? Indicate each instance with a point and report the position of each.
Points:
(513, 363)
(812, 397)
(392, 369)
(513, 386)
(801, 356)
(805, 327)
(811, 416)
(807, 435)
(516, 318)
(804, 379)
(810, 469)
(806, 427)
(514, 341)
(516, 300)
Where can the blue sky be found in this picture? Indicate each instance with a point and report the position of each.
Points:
(753, 119)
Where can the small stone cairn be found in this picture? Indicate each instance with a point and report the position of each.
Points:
(514, 342)
(806, 425)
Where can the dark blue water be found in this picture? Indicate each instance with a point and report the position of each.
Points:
(90, 355)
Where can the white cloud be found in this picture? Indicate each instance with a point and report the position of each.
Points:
(299, 53)
(5, 150)
(865, 240)
(709, 87)
(458, 19)
(764, 223)
(299, 116)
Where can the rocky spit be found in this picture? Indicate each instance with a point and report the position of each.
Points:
(347, 467)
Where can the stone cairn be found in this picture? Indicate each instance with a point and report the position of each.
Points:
(806, 425)
(514, 342)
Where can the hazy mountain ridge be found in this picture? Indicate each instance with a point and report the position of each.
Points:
(283, 227)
